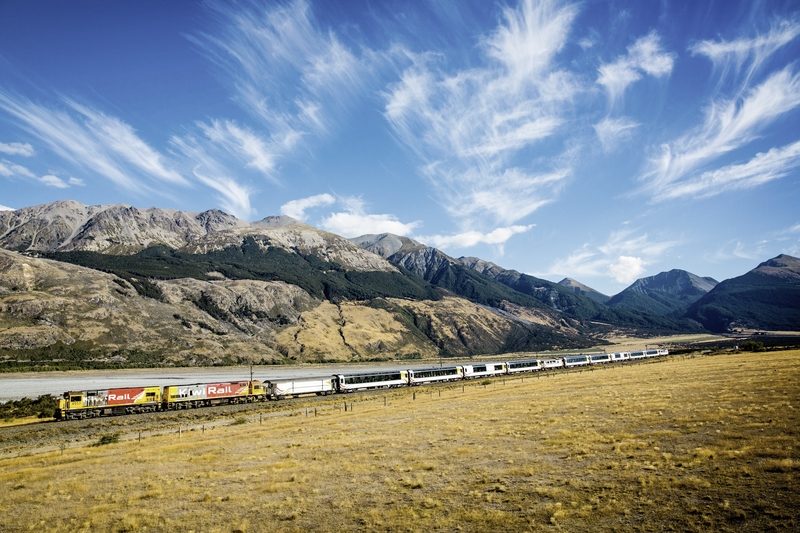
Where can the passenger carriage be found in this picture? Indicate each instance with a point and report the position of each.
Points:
(371, 380)
(576, 360)
(530, 365)
(429, 375)
(552, 363)
(484, 369)
(600, 358)
(620, 356)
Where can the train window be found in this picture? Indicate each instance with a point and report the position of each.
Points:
(75, 399)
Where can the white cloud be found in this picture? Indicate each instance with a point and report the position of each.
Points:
(626, 269)
(6, 208)
(355, 221)
(732, 56)
(8, 169)
(497, 237)
(623, 257)
(94, 141)
(297, 208)
(23, 149)
(53, 181)
(645, 56)
(76, 182)
(612, 131)
(469, 126)
(728, 125)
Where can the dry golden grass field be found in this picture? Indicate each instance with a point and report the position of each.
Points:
(681, 444)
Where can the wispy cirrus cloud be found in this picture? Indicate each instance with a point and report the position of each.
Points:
(694, 164)
(644, 57)
(284, 69)
(250, 148)
(94, 141)
(297, 208)
(472, 127)
(728, 125)
(747, 53)
(623, 257)
(764, 167)
(234, 197)
(612, 131)
(21, 149)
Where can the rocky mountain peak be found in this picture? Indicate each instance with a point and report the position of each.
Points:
(782, 265)
(675, 281)
(385, 244)
(278, 221)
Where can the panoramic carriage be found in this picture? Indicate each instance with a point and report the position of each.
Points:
(430, 375)
(529, 365)
(371, 380)
(600, 358)
(576, 360)
(484, 369)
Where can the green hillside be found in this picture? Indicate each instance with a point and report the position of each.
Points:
(767, 297)
(250, 261)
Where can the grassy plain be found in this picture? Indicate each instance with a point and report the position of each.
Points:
(683, 444)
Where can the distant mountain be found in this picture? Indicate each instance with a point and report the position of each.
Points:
(487, 283)
(767, 297)
(584, 290)
(153, 286)
(575, 304)
(667, 293)
(443, 271)
(69, 226)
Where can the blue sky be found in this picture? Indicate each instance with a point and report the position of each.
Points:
(603, 141)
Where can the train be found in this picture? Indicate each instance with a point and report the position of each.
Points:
(132, 400)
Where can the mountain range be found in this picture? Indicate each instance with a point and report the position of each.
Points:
(121, 285)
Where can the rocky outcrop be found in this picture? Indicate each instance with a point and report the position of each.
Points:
(123, 230)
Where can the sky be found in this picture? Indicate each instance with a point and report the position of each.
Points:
(604, 141)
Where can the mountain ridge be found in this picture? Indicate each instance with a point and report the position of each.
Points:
(666, 293)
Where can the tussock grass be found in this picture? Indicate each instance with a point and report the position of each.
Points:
(684, 444)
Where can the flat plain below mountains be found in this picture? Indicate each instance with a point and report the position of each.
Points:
(682, 443)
